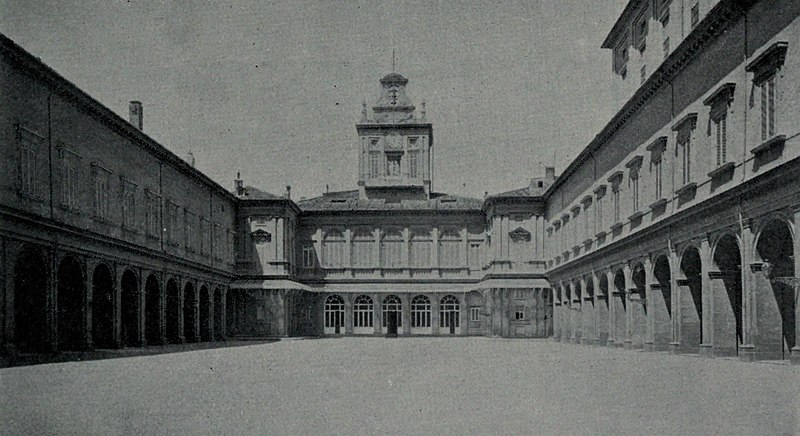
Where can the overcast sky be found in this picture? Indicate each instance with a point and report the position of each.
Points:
(274, 89)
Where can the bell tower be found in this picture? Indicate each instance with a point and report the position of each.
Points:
(395, 146)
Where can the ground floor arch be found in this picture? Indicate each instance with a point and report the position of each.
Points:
(421, 314)
(588, 313)
(130, 309)
(103, 307)
(619, 308)
(153, 305)
(637, 307)
(601, 308)
(31, 284)
(363, 315)
(219, 314)
(205, 315)
(690, 301)
(334, 315)
(450, 315)
(173, 312)
(774, 293)
(726, 297)
(189, 313)
(70, 297)
(659, 301)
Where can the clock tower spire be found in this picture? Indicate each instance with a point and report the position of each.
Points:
(395, 147)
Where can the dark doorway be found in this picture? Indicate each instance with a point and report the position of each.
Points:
(219, 311)
(173, 312)
(102, 307)
(726, 293)
(205, 321)
(775, 305)
(30, 301)
(391, 324)
(70, 304)
(152, 311)
(130, 309)
(189, 313)
(690, 291)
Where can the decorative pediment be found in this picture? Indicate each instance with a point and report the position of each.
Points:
(768, 61)
(261, 236)
(520, 235)
(657, 147)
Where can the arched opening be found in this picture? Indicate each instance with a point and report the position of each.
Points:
(173, 312)
(102, 307)
(189, 313)
(726, 291)
(205, 315)
(577, 312)
(392, 315)
(334, 315)
(420, 314)
(602, 310)
(70, 304)
(30, 301)
(130, 309)
(619, 307)
(569, 322)
(638, 306)
(152, 310)
(363, 313)
(690, 300)
(589, 331)
(231, 313)
(660, 302)
(775, 299)
(450, 315)
(219, 311)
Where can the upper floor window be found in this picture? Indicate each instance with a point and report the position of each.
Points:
(450, 248)
(393, 160)
(640, 30)
(333, 249)
(615, 200)
(363, 243)
(70, 162)
(643, 74)
(102, 192)
(413, 164)
(173, 223)
(31, 147)
(190, 231)
(153, 214)
(621, 58)
(474, 254)
(765, 78)
(474, 314)
(374, 164)
(695, 14)
(128, 203)
(420, 248)
(520, 244)
(309, 256)
(684, 129)
(616, 181)
(519, 313)
(392, 249)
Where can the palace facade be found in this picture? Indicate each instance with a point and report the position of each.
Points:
(675, 228)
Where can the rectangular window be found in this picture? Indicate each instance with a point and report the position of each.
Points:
(190, 227)
(374, 164)
(30, 148)
(685, 146)
(695, 14)
(615, 199)
(204, 235)
(173, 224)
(153, 214)
(474, 254)
(308, 256)
(635, 192)
(657, 175)
(128, 203)
(474, 314)
(621, 59)
(393, 164)
(720, 127)
(102, 192)
(412, 164)
(599, 212)
(643, 74)
(640, 31)
(519, 313)
(666, 47)
(767, 89)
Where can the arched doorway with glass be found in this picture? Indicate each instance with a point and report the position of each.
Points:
(450, 315)
(334, 315)
(392, 314)
(421, 315)
(363, 315)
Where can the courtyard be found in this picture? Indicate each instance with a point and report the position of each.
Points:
(403, 386)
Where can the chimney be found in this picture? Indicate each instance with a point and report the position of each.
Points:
(136, 115)
(550, 173)
(238, 184)
(289, 192)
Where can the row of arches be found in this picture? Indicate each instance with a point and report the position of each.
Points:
(693, 300)
(90, 312)
(363, 312)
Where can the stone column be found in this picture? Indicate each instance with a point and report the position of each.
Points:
(181, 283)
(795, 351)
(377, 313)
(651, 288)
(675, 305)
(116, 323)
(463, 320)
(348, 244)
(612, 315)
(749, 269)
(141, 337)
(224, 311)
(435, 314)
(348, 314)
(196, 308)
(407, 313)
(86, 337)
(706, 347)
(598, 339)
(212, 305)
(556, 313)
(626, 270)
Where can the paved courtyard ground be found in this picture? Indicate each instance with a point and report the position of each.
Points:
(403, 386)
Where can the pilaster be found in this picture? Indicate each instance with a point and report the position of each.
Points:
(706, 347)
(435, 314)
(626, 270)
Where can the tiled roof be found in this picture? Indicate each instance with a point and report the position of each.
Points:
(253, 193)
(348, 200)
(531, 190)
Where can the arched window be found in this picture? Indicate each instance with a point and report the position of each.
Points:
(334, 311)
(392, 303)
(362, 311)
(420, 248)
(363, 247)
(392, 249)
(449, 312)
(333, 249)
(420, 311)
(450, 248)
